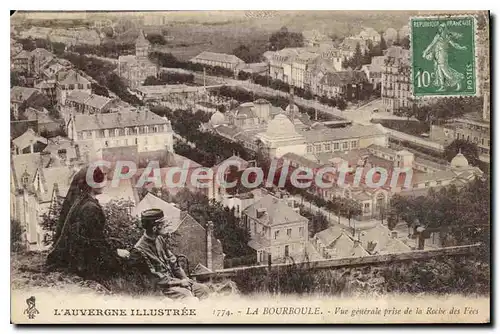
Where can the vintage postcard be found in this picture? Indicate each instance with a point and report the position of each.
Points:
(263, 167)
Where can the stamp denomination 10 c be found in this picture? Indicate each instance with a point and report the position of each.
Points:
(443, 56)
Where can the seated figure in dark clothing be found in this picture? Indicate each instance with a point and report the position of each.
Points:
(80, 245)
(152, 256)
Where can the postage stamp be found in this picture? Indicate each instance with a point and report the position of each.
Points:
(443, 52)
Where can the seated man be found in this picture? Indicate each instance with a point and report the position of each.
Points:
(151, 254)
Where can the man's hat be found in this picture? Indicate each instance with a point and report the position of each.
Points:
(152, 217)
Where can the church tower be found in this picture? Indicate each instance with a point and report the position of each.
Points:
(142, 46)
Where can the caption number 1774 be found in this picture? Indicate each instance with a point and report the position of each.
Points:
(424, 78)
(222, 313)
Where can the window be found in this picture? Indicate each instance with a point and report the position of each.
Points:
(309, 148)
(482, 141)
(345, 145)
(80, 136)
(276, 234)
(71, 86)
(427, 184)
(106, 143)
(289, 232)
(336, 146)
(127, 131)
(89, 134)
(439, 182)
(328, 147)
(287, 250)
(317, 148)
(301, 231)
(80, 86)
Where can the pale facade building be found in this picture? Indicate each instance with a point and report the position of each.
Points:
(139, 128)
(276, 229)
(281, 137)
(230, 62)
(396, 81)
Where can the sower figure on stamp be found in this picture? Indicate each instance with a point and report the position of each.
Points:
(152, 256)
(437, 51)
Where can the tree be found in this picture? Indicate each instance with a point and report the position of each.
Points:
(58, 48)
(16, 236)
(122, 229)
(357, 58)
(152, 81)
(14, 79)
(49, 221)
(461, 215)
(99, 90)
(285, 39)
(467, 148)
(383, 43)
(156, 39)
(243, 52)
(405, 42)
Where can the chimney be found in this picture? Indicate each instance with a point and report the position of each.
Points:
(210, 228)
(77, 152)
(56, 189)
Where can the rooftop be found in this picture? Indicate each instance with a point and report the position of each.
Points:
(165, 89)
(220, 57)
(21, 94)
(342, 78)
(276, 212)
(353, 131)
(71, 77)
(117, 120)
(28, 138)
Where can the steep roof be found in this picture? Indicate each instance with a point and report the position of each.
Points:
(28, 138)
(117, 120)
(62, 176)
(150, 201)
(277, 212)
(41, 52)
(21, 94)
(342, 78)
(142, 40)
(329, 235)
(220, 57)
(23, 55)
(394, 245)
(71, 77)
(24, 163)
